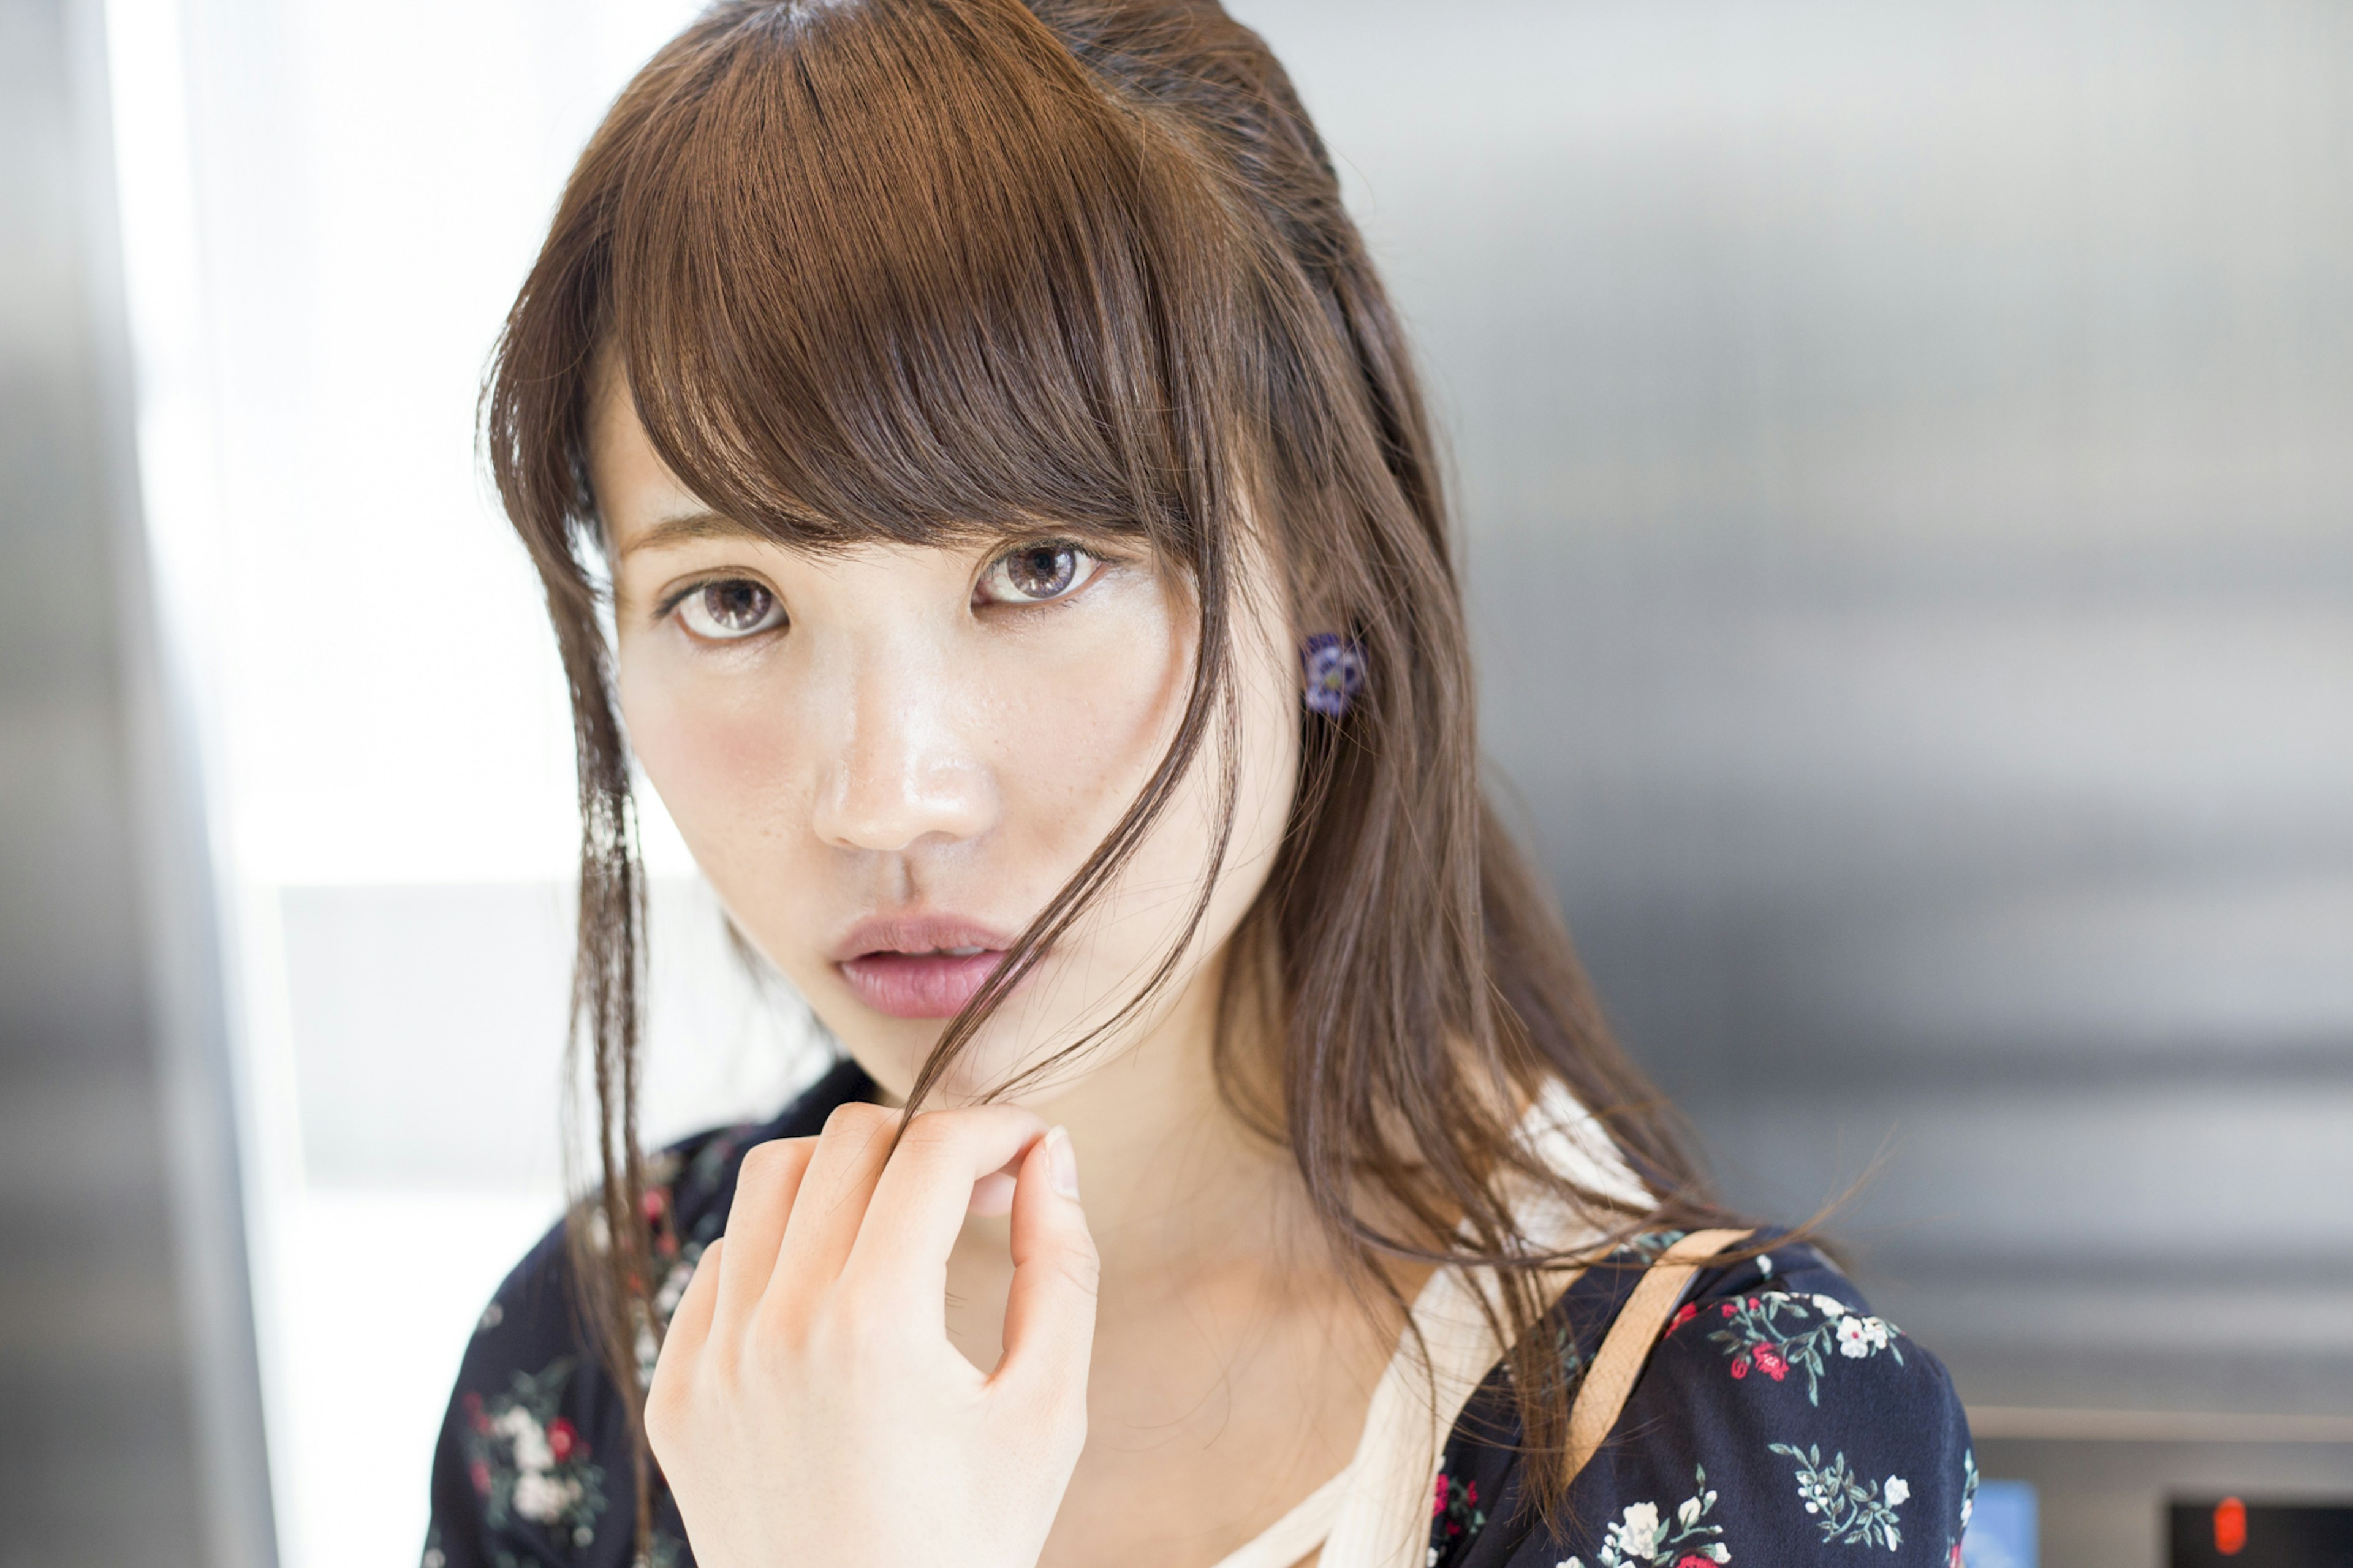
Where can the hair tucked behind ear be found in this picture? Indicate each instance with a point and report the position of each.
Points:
(914, 270)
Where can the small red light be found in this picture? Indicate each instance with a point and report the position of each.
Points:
(2229, 1527)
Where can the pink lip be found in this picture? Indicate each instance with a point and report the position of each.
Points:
(898, 967)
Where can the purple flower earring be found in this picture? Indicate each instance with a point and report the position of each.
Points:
(1336, 672)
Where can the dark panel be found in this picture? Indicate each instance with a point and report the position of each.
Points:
(2231, 1533)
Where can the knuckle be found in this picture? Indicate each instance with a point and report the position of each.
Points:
(855, 1118)
(764, 1164)
(778, 1344)
(1082, 1268)
(666, 1401)
(931, 1133)
(835, 1335)
(855, 1128)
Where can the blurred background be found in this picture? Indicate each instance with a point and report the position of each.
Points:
(1905, 451)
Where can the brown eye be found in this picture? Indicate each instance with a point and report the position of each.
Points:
(1034, 574)
(731, 609)
(1041, 571)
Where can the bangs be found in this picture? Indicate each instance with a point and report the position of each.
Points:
(889, 270)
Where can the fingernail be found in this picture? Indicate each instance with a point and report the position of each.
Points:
(1063, 1163)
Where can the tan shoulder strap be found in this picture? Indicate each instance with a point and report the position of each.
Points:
(1628, 1345)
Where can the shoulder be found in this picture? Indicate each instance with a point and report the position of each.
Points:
(1778, 1420)
(536, 1463)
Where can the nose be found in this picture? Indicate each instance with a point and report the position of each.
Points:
(900, 773)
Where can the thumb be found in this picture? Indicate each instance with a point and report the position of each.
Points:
(1050, 1314)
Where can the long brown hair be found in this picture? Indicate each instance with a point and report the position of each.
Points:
(920, 269)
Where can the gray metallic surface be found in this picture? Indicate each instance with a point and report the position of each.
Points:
(129, 1413)
(1906, 457)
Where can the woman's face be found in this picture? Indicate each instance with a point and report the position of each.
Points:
(888, 760)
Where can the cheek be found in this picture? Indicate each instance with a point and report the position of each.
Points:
(1074, 732)
(718, 752)
(1265, 752)
(1093, 756)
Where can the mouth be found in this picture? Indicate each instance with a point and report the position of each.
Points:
(924, 968)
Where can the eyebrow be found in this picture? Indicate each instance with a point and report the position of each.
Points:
(675, 530)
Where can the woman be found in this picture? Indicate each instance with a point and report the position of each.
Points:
(972, 461)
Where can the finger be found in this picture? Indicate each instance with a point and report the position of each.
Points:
(923, 1196)
(766, 1183)
(688, 1332)
(690, 1322)
(833, 1196)
(1049, 1315)
(993, 1194)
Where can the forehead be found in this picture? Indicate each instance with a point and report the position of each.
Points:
(635, 490)
(643, 506)
(642, 503)
(645, 509)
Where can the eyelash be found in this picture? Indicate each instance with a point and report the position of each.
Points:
(676, 604)
(1088, 565)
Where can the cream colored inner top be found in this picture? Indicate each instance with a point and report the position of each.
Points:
(1376, 1512)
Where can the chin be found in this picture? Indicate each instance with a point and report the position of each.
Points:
(893, 1059)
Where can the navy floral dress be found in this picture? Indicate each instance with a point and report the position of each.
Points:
(1778, 1423)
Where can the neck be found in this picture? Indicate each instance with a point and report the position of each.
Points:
(1171, 1177)
(1168, 1171)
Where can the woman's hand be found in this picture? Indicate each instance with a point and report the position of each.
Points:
(809, 1408)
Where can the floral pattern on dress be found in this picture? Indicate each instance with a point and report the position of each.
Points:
(527, 1460)
(1685, 1539)
(1758, 1335)
(1874, 1400)
(1969, 1507)
(1847, 1508)
(674, 1257)
(1455, 1515)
